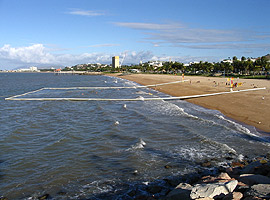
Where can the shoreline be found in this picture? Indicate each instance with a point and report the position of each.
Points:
(250, 108)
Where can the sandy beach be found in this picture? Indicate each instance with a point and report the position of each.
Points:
(251, 107)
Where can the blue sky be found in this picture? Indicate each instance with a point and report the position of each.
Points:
(69, 32)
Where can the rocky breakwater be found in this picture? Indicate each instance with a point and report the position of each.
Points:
(245, 180)
(239, 180)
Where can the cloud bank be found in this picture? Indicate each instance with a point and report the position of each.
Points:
(40, 56)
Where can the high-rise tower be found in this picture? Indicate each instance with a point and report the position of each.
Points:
(115, 62)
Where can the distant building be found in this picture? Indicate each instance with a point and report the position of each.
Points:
(227, 61)
(30, 69)
(33, 69)
(115, 62)
(155, 63)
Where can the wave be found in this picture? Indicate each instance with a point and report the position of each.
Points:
(139, 145)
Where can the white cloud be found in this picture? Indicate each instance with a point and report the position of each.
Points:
(177, 35)
(39, 55)
(86, 12)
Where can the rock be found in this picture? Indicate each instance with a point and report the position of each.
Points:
(154, 189)
(233, 171)
(206, 164)
(242, 189)
(167, 166)
(132, 193)
(260, 190)
(262, 170)
(205, 198)
(233, 196)
(208, 179)
(252, 179)
(224, 176)
(173, 181)
(237, 164)
(250, 168)
(212, 190)
(182, 191)
(45, 196)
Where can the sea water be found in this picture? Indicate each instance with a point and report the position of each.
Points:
(82, 149)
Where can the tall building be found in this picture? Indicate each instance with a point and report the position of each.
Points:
(115, 62)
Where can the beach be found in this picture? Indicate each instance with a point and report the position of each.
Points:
(251, 108)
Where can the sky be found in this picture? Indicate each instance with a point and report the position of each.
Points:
(69, 32)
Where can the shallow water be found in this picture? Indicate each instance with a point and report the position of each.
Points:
(75, 149)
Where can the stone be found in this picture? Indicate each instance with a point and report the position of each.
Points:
(185, 186)
(212, 190)
(262, 170)
(224, 176)
(250, 168)
(167, 166)
(154, 189)
(43, 197)
(252, 179)
(237, 164)
(208, 179)
(182, 191)
(206, 164)
(132, 193)
(233, 196)
(173, 181)
(242, 189)
(260, 190)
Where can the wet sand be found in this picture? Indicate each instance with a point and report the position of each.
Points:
(252, 108)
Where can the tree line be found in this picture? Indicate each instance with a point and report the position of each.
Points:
(243, 66)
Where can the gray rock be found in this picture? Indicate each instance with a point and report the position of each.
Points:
(182, 191)
(260, 190)
(154, 189)
(212, 190)
(250, 168)
(252, 179)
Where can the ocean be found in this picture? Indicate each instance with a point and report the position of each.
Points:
(101, 149)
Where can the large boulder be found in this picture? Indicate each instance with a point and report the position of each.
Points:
(260, 190)
(250, 168)
(213, 190)
(182, 191)
(252, 179)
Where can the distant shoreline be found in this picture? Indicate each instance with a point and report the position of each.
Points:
(251, 108)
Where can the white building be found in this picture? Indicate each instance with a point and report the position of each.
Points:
(30, 69)
(155, 63)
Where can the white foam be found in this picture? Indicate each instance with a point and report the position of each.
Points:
(140, 145)
(141, 98)
(241, 157)
(238, 127)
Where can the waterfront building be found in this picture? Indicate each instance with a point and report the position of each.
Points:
(115, 62)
